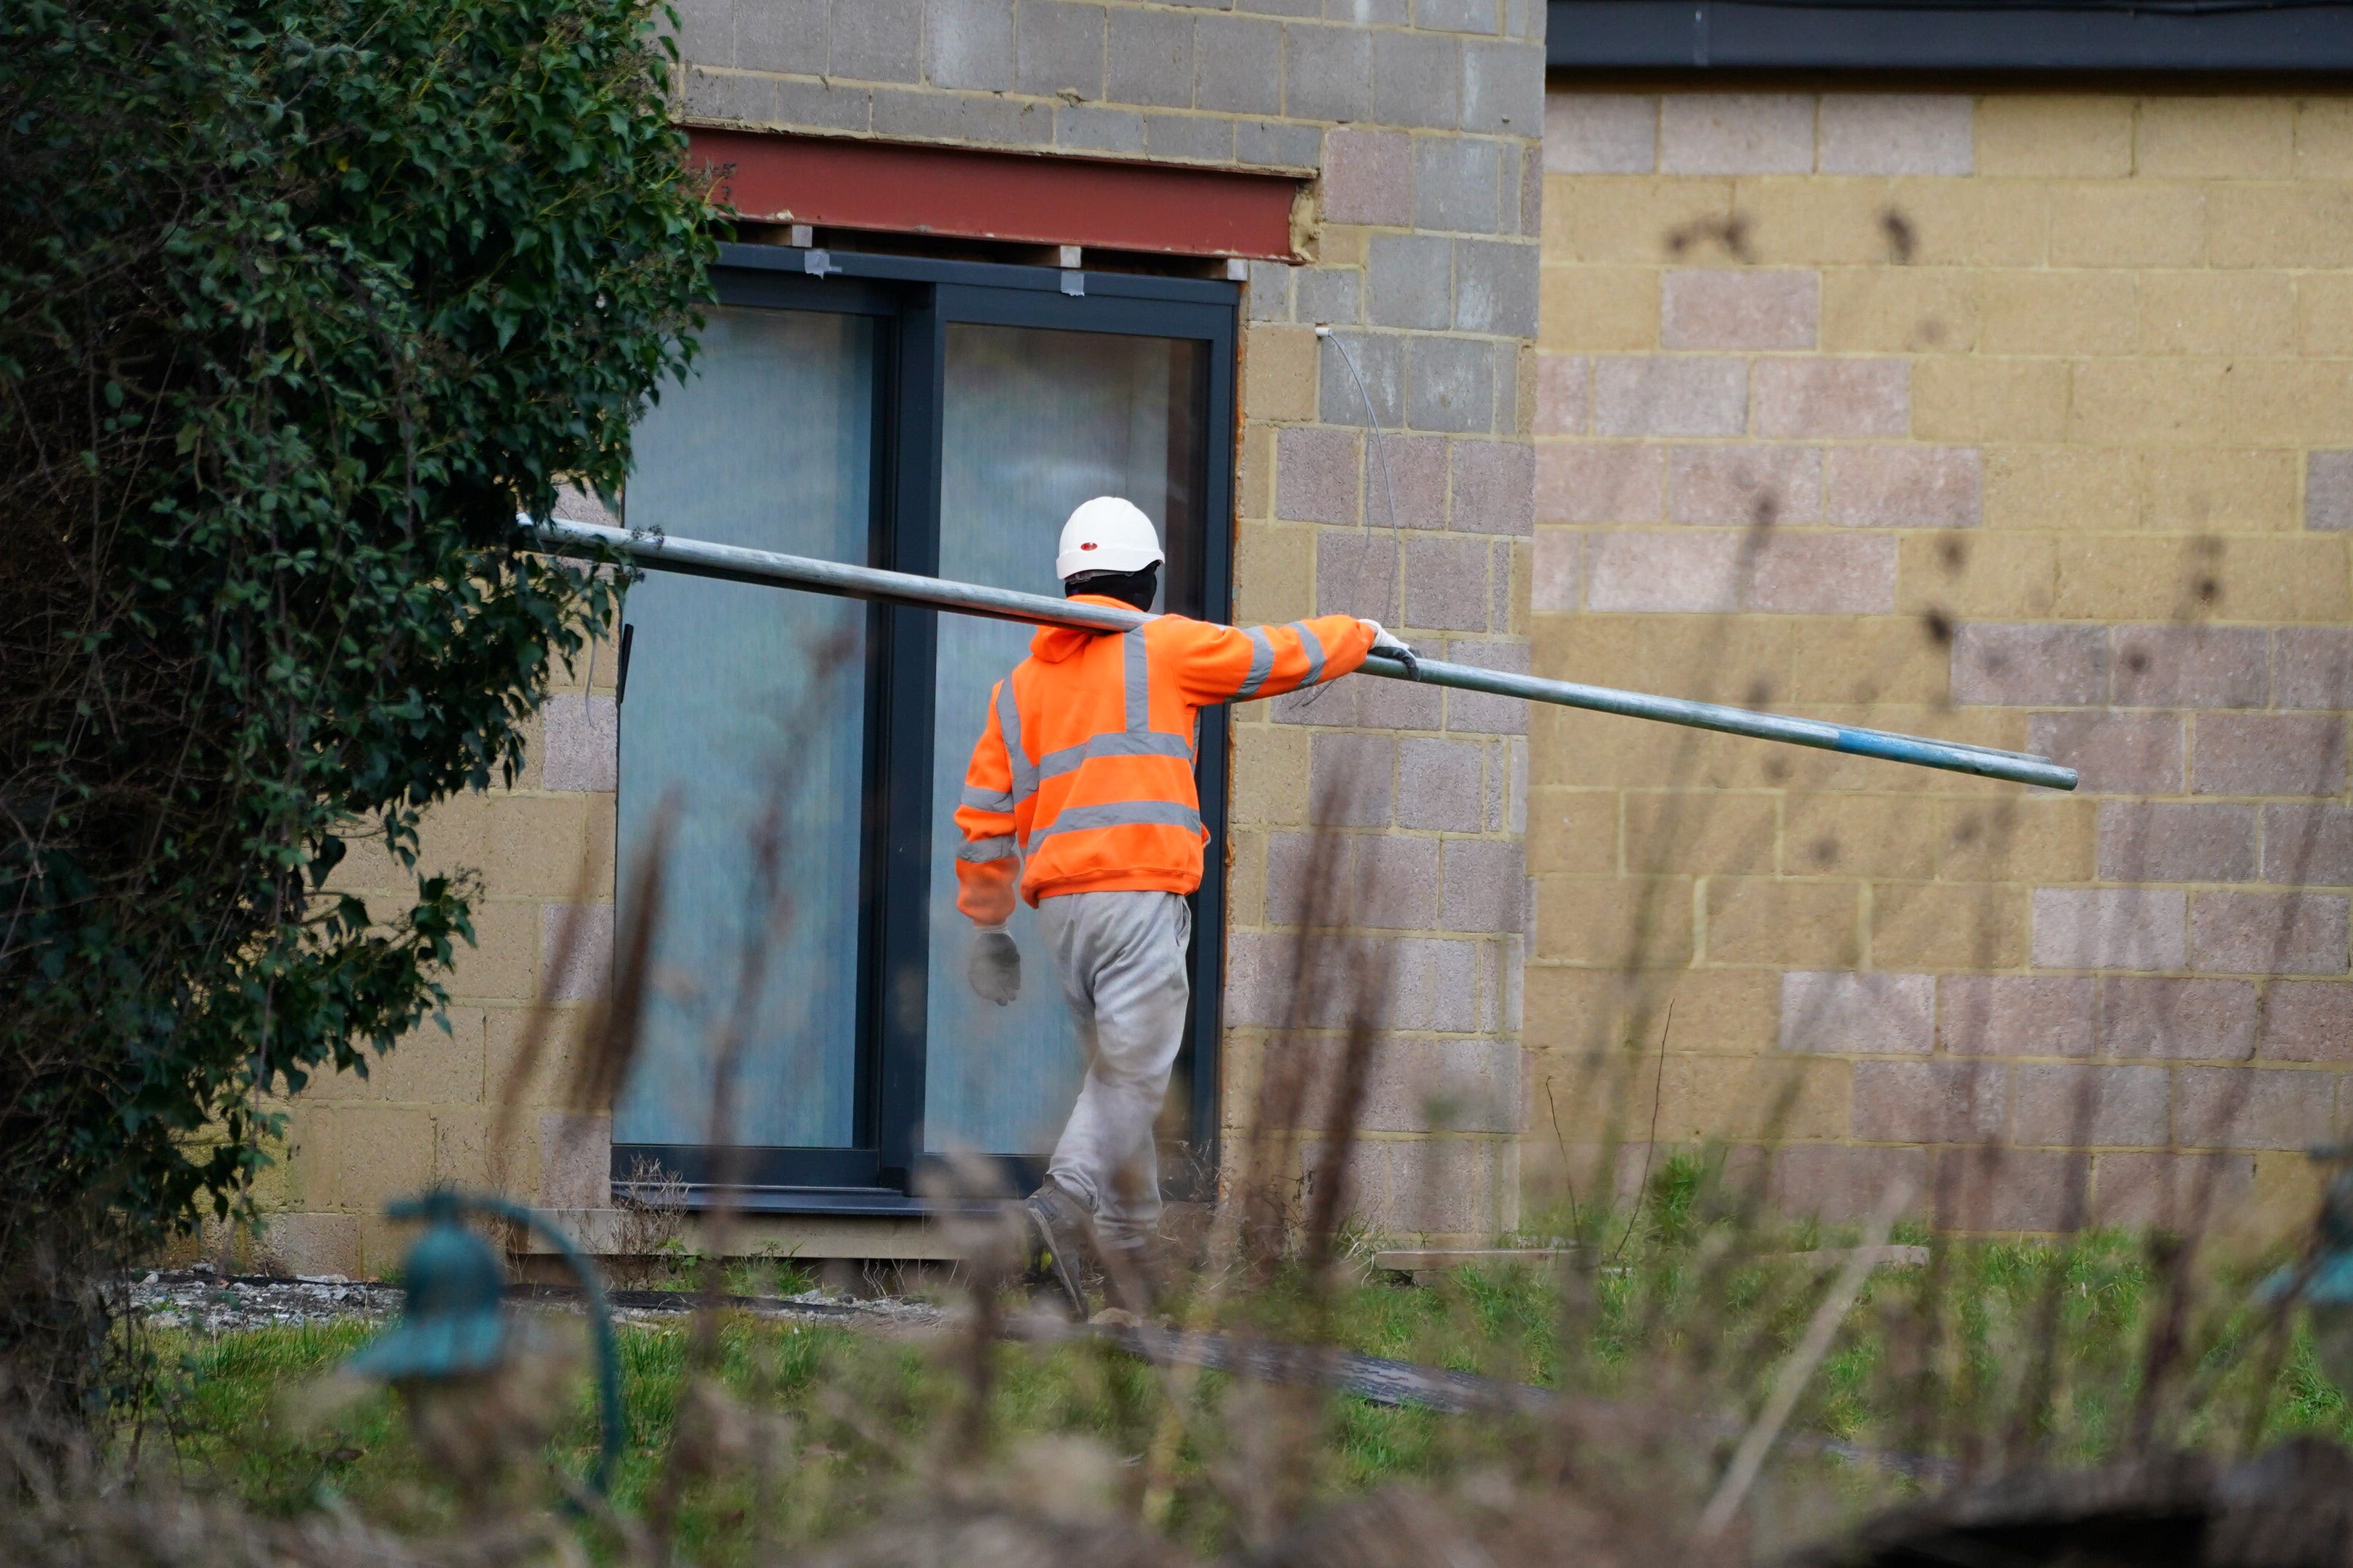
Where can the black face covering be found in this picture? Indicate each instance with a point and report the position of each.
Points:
(1135, 589)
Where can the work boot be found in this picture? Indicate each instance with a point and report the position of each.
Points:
(1060, 1231)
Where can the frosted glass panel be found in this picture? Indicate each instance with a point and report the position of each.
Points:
(744, 701)
(1036, 422)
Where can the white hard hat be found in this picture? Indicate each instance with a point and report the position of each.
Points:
(1107, 534)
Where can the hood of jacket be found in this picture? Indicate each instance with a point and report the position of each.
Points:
(1052, 645)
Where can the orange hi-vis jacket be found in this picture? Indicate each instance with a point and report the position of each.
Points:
(1085, 762)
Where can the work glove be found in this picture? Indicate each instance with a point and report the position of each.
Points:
(1388, 645)
(995, 967)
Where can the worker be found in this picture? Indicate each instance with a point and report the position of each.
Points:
(1080, 799)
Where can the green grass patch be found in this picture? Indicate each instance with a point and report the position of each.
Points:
(1993, 1349)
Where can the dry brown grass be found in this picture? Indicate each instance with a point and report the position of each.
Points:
(1716, 1400)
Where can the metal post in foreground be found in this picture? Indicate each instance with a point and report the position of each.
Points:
(734, 563)
(453, 1326)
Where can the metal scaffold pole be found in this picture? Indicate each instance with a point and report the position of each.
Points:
(733, 563)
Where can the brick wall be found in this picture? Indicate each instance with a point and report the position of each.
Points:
(1418, 122)
(2018, 419)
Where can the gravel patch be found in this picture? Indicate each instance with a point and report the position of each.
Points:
(203, 1301)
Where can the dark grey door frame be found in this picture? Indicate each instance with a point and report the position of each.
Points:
(914, 300)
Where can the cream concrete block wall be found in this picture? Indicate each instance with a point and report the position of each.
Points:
(424, 1113)
(2018, 419)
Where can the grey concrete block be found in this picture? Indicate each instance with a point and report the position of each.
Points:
(1279, 7)
(1204, 138)
(1059, 49)
(576, 1161)
(1524, 19)
(1357, 572)
(2313, 668)
(1330, 296)
(1379, 359)
(830, 106)
(1417, 80)
(1367, 177)
(1350, 779)
(1446, 584)
(1395, 883)
(1601, 134)
(1503, 89)
(1327, 73)
(1409, 277)
(1272, 143)
(1450, 384)
(968, 43)
(1508, 360)
(2328, 490)
(1258, 970)
(1087, 127)
(1736, 134)
(781, 36)
(1499, 581)
(1456, 15)
(1458, 185)
(1500, 788)
(1476, 711)
(1301, 881)
(706, 32)
(1495, 287)
(1438, 784)
(1669, 395)
(1494, 490)
(725, 95)
(585, 505)
(1363, 13)
(1483, 877)
(931, 116)
(1269, 291)
(1896, 133)
(575, 948)
(877, 40)
(1317, 475)
(1336, 707)
(1412, 471)
(580, 743)
(1396, 704)
(1148, 59)
(1238, 64)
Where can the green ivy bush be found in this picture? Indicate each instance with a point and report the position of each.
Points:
(301, 302)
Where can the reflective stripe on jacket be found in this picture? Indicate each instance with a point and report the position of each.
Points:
(1083, 779)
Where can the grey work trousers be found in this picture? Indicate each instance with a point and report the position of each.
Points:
(1121, 957)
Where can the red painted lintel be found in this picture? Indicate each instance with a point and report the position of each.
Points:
(970, 194)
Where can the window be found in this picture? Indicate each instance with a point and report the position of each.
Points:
(938, 418)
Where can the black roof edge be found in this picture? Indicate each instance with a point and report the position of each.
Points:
(2198, 37)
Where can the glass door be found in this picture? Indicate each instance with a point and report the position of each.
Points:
(929, 416)
(1036, 421)
(745, 728)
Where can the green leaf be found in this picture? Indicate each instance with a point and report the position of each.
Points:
(352, 283)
